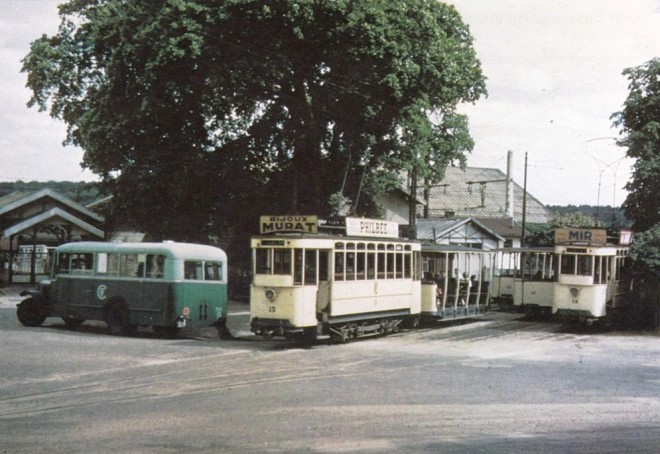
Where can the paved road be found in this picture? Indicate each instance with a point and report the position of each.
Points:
(501, 384)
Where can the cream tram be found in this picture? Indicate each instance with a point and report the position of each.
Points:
(592, 283)
(456, 281)
(306, 282)
(534, 280)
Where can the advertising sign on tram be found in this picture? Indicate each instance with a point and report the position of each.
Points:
(586, 236)
(289, 224)
(371, 228)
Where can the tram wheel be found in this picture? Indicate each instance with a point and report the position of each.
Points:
(72, 322)
(31, 312)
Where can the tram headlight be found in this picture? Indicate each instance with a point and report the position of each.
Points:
(271, 294)
(575, 292)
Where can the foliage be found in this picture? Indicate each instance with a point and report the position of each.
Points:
(639, 123)
(603, 216)
(200, 113)
(583, 216)
(645, 252)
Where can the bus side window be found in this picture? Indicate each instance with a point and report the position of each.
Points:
(128, 265)
(81, 263)
(213, 271)
(192, 270)
(155, 265)
(63, 263)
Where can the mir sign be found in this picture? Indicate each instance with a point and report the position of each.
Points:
(585, 236)
(288, 224)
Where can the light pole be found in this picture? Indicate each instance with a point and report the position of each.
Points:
(602, 166)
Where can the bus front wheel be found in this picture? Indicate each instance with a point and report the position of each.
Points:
(31, 312)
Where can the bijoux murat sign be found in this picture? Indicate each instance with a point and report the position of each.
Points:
(289, 224)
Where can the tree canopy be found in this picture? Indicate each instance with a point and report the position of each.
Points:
(194, 112)
(639, 123)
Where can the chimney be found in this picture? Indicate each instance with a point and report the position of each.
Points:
(508, 208)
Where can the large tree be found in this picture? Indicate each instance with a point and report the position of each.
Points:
(196, 111)
(639, 123)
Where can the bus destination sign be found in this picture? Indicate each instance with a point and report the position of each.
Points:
(371, 228)
(289, 224)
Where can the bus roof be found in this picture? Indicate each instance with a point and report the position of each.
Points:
(170, 249)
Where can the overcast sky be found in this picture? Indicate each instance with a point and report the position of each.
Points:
(554, 78)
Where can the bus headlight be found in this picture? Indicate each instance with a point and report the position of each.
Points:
(271, 294)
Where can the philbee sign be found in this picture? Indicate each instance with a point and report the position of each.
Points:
(288, 224)
(371, 228)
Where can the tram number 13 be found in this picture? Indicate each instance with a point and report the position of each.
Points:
(271, 308)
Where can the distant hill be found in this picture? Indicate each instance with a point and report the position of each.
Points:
(81, 192)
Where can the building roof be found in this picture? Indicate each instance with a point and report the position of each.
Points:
(16, 200)
(432, 229)
(53, 213)
(481, 193)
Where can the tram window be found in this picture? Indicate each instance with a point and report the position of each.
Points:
(339, 266)
(282, 261)
(399, 266)
(371, 265)
(585, 265)
(262, 261)
(310, 267)
(597, 270)
(323, 266)
(297, 266)
(350, 266)
(360, 265)
(568, 264)
(381, 265)
(407, 268)
(390, 265)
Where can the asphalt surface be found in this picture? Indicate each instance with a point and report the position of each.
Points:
(498, 384)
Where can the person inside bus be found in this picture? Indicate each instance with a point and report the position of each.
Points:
(156, 269)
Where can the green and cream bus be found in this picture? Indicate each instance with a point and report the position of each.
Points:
(165, 285)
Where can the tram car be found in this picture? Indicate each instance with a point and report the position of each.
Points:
(533, 280)
(504, 271)
(456, 281)
(364, 281)
(592, 284)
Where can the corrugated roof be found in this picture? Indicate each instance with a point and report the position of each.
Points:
(481, 193)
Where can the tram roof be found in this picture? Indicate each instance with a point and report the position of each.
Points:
(328, 236)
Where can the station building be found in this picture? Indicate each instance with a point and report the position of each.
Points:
(32, 224)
